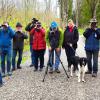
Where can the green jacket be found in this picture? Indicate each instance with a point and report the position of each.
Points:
(60, 40)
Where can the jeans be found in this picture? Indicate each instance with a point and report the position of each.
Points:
(20, 52)
(32, 55)
(51, 59)
(92, 56)
(39, 55)
(70, 52)
(0, 79)
(5, 55)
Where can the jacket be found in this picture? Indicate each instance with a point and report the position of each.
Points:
(58, 37)
(92, 39)
(6, 37)
(18, 40)
(71, 37)
(39, 42)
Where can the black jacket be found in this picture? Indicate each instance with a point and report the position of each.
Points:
(18, 40)
(28, 28)
(71, 37)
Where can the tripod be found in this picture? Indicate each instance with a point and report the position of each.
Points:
(46, 71)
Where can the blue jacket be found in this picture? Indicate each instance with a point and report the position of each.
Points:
(92, 39)
(6, 37)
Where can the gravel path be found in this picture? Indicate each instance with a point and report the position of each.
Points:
(27, 85)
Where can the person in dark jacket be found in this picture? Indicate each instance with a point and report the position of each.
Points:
(39, 45)
(28, 28)
(18, 45)
(6, 36)
(92, 36)
(71, 37)
(54, 39)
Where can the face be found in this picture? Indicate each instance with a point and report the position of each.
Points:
(5, 27)
(93, 25)
(70, 24)
(18, 28)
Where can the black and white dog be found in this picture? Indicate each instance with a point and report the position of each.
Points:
(79, 64)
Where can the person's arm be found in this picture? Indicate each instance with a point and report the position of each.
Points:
(47, 38)
(27, 28)
(43, 32)
(87, 33)
(25, 36)
(32, 31)
(61, 38)
(76, 35)
(12, 33)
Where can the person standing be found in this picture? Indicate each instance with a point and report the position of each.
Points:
(6, 36)
(39, 45)
(54, 39)
(28, 28)
(92, 36)
(18, 45)
(71, 37)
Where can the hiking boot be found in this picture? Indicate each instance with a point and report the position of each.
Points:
(57, 70)
(41, 69)
(3, 75)
(51, 71)
(35, 70)
(31, 65)
(13, 69)
(18, 67)
(9, 73)
(94, 75)
(89, 72)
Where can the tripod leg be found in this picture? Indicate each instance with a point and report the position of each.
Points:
(46, 71)
(62, 64)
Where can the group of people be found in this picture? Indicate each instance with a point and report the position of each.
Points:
(54, 38)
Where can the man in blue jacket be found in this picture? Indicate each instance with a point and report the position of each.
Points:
(92, 36)
(6, 35)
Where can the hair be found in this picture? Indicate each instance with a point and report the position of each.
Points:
(71, 21)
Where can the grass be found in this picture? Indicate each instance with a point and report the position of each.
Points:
(81, 31)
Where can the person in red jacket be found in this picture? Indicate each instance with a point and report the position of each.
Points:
(39, 45)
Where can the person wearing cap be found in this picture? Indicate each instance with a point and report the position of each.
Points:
(71, 37)
(6, 36)
(54, 39)
(18, 45)
(92, 36)
(28, 28)
(39, 46)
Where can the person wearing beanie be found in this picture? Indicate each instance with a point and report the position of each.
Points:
(54, 39)
(92, 48)
(18, 46)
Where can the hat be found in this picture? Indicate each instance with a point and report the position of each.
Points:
(5, 24)
(18, 25)
(93, 20)
(54, 24)
(34, 19)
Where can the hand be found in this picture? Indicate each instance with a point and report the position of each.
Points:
(50, 48)
(58, 49)
(70, 44)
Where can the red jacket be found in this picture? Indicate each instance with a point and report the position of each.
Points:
(39, 42)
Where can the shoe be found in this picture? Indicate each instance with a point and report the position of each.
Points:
(41, 69)
(13, 69)
(9, 74)
(18, 67)
(31, 65)
(57, 70)
(51, 71)
(94, 75)
(35, 70)
(3, 75)
(88, 72)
